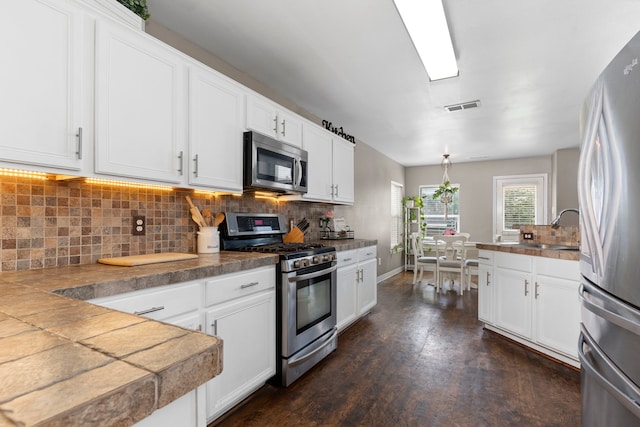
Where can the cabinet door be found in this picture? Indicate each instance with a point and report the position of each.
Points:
(318, 143)
(343, 155)
(40, 83)
(512, 293)
(289, 128)
(367, 287)
(262, 116)
(557, 314)
(247, 327)
(140, 106)
(485, 293)
(346, 310)
(215, 131)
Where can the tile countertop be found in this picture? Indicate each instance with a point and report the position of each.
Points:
(528, 250)
(67, 362)
(348, 244)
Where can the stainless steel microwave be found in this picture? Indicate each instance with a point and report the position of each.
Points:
(274, 165)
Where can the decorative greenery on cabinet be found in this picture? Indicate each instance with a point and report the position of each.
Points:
(139, 7)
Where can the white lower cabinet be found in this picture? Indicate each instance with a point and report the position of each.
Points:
(532, 300)
(242, 313)
(485, 286)
(357, 291)
(239, 308)
(512, 298)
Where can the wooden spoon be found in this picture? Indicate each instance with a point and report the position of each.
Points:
(207, 216)
(218, 219)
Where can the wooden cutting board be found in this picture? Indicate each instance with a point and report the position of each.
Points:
(133, 260)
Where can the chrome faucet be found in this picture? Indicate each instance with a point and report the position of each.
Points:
(556, 222)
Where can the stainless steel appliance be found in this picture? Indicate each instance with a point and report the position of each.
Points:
(274, 165)
(608, 179)
(305, 286)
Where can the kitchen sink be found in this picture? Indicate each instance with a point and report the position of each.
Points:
(551, 246)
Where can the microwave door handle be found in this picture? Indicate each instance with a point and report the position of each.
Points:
(298, 172)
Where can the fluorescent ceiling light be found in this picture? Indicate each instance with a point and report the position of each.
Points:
(427, 27)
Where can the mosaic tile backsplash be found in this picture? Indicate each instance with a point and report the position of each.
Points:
(47, 223)
(563, 235)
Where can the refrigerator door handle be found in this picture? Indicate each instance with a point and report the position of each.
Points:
(602, 361)
(629, 319)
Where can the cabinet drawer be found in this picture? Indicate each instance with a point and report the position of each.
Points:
(230, 286)
(347, 257)
(560, 268)
(366, 253)
(485, 257)
(158, 303)
(513, 261)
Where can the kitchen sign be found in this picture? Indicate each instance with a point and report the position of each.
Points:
(338, 131)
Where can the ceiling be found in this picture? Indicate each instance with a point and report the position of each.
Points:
(529, 62)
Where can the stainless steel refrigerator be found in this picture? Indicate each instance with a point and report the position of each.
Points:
(609, 195)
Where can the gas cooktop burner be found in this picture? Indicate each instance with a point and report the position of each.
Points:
(283, 247)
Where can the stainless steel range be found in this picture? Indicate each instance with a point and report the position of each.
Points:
(306, 290)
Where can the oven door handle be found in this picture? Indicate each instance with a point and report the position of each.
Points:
(297, 360)
(313, 275)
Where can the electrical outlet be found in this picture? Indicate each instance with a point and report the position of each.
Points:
(527, 236)
(139, 225)
(379, 260)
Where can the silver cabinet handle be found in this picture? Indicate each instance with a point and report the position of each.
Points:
(332, 187)
(248, 285)
(79, 151)
(214, 327)
(195, 168)
(369, 253)
(199, 328)
(347, 259)
(275, 125)
(484, 257)
(149, 310)
(488, 276)
(181, 162)
(362, 275)
(526, 290)
(536, 292)
(283, 127)
(336, 190)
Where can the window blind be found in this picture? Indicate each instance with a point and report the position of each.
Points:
(519, 205)
(396, 213)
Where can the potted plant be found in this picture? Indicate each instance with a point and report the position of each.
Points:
(139, 7)
(445, 193)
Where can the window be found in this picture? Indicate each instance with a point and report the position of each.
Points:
(519, 200)
(397, 191)
(434, 211)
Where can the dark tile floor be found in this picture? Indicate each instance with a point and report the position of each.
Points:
(420, 359)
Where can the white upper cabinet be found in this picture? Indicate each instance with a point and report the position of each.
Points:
(343, 158)
(318, 143)
(140, 106)
(330, 166)
(269, 119)
(216, 118)
(41, 83)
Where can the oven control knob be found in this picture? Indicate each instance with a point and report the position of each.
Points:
(296, 264)
(326, 258)
(315, 260)
(304, 262)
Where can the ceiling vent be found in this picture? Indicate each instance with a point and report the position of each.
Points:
(462, 106)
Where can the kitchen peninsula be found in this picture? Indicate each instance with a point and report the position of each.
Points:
(67, 362)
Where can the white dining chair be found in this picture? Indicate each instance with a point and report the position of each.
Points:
(471, 265)
(450, 258)
(420, 261)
